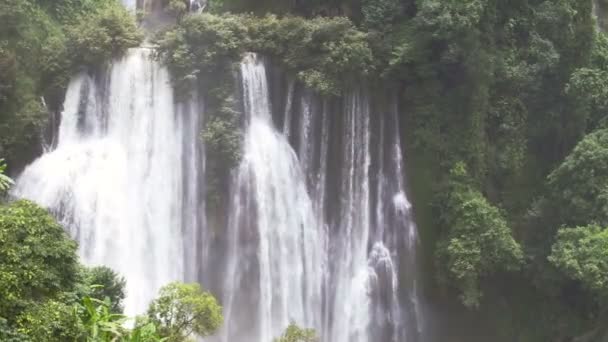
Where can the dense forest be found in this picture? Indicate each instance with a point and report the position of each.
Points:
(504, 107)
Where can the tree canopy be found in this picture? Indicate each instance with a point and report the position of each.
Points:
(182, 310)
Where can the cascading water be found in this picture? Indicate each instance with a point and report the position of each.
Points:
(275, 267)
(394, 241)
(124, 176)
(319, 228)
(303, 249)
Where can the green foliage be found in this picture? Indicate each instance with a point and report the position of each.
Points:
(509, 87)
(5, 181)
(222, 137)
(90, 320)
(450, 18)
(144, 331)
(325, 53)
(177, 8)
(185, 309)
(38, 259)
(30, 62)
(582, 254)
(9, 334)
(103, 283)
(100, 324)
(578, 187)
(106, 33)
(586, 89)
(201, 44)
(51, 321)
(293, 333)
(478, 241)
(380, 14)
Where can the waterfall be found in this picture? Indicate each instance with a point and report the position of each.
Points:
(351, 306)
(124, 176)
(275, 268)
(319, 230)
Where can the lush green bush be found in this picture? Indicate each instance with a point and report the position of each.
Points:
(9, 334)
(477, 241)
(97, 37)
(579, 186)
(582, 254)
(38, 259)
(325, 53)
(52, 321)
(182, 310)
(202, 44)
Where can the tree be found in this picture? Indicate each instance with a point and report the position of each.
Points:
(103, 283)
(579, 186)
(293, 333)
(582, 254)
(478, 241)
(97, 37)
(185, 309)
(51, 321)
(588, 89)
(37, 258)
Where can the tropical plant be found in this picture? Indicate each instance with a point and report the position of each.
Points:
(100, 324)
